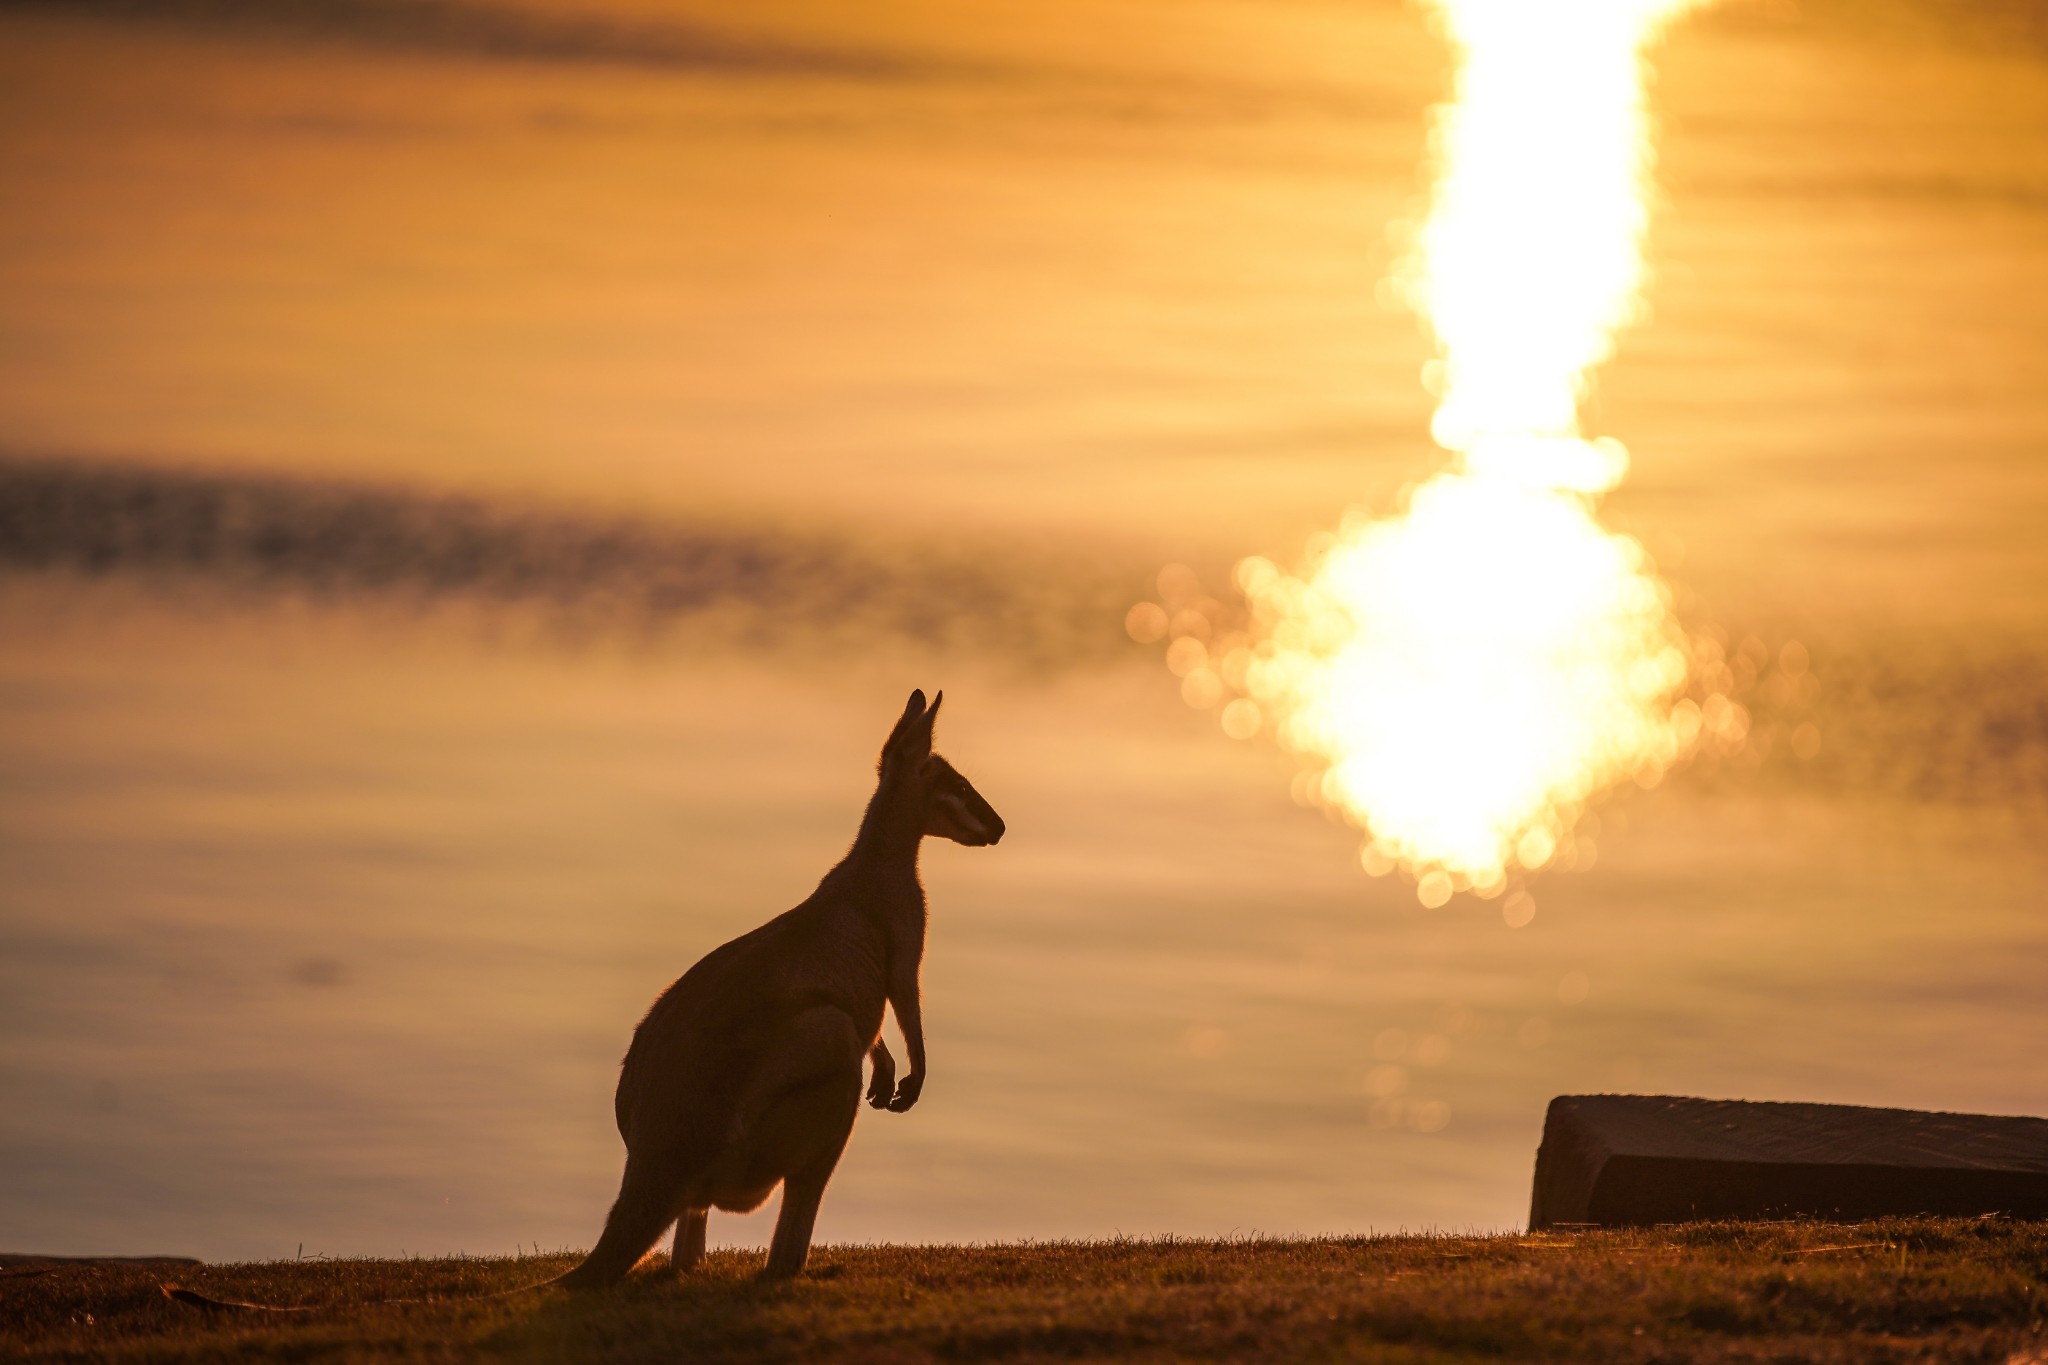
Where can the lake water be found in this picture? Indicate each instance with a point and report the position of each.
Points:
(477, 482)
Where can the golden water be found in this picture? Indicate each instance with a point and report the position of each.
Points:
(330, 892)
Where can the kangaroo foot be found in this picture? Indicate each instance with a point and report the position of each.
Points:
(784, 1267)
(688, 1249)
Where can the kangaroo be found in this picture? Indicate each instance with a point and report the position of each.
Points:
(746, 1073)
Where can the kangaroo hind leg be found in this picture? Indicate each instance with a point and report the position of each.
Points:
(689, 1244)
(791, 1247)
(800, 1127)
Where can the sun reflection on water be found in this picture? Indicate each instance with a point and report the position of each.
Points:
(1464, 677)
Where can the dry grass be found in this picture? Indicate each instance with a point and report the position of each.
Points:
(1892, 1291)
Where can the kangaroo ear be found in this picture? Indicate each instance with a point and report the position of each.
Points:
(911, 711)
(917, 734)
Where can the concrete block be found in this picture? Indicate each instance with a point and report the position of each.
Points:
(1632, 1160)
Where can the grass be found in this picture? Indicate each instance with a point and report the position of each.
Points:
(1890, 1291)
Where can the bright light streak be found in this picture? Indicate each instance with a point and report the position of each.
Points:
(1465, 677)
(1532, 255)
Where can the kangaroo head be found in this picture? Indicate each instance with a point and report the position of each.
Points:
(952, 808)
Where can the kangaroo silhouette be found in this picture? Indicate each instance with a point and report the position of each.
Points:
(746, 1073)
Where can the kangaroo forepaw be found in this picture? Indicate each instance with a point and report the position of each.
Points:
(907, 1093)
(882, 1082)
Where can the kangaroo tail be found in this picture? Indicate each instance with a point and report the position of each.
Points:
(192, 1298)
(645, 1207)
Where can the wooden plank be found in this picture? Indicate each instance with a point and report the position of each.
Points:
(1631, 1160)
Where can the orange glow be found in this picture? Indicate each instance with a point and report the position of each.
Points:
(1531, 258)
(1465, 677)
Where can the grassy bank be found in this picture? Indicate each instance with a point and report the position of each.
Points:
(1893, 1291)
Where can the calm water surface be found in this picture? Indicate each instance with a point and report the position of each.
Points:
(340, 851)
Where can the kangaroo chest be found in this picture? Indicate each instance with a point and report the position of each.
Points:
(847, 957)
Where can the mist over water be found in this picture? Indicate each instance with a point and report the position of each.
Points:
(587, 575)
(484, 478)
(452, 28)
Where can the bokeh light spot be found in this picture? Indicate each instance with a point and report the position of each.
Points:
(1241, 718)
(1386, 1080)
(1146, 623)
(1573, 988)
(1806, 741)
